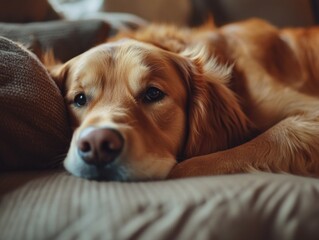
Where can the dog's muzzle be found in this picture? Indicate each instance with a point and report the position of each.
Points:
(100, 146)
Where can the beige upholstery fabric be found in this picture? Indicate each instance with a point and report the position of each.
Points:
(33, 124)
(55, 205)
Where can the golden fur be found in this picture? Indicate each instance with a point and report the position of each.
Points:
(238, 98)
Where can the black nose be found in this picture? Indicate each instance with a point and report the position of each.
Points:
(100, 146)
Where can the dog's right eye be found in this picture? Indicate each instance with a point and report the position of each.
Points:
(80, 100)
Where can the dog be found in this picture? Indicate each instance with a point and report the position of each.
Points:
(168, 102)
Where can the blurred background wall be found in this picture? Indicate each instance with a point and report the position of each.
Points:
(279, 12)
(182, 12)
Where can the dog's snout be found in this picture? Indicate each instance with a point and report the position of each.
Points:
(100, 146)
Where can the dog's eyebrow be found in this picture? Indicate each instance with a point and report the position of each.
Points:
(158, 68)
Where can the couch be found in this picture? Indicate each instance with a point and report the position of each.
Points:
(39, 200)
(51, 204)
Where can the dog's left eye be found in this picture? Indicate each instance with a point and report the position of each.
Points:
(153, 94)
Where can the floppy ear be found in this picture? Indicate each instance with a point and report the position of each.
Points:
(56, 69)
(59, 74)
(215, 118)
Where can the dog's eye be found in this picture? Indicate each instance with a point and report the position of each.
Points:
(80, 100)
(153, 94)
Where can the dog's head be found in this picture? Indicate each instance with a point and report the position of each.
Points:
(136, 109)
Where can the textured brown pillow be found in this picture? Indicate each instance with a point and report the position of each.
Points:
(33, 125)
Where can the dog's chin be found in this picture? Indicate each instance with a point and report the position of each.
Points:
(103, 173)
(115, 171)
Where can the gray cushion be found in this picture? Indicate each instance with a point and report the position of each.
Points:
(66, 38)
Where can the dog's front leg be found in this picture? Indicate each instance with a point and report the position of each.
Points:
(291, 146)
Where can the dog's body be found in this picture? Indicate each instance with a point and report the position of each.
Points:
(230, 100)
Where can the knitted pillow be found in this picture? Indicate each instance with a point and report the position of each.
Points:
(34, 132)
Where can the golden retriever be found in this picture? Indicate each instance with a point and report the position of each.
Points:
(175, 102)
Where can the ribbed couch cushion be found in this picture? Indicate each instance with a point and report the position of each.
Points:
(55, 205)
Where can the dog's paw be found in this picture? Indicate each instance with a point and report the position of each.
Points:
(197, 166)
(212, 164)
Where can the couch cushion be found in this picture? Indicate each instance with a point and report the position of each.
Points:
(55, 205)
(67, 39)
(33, 123)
